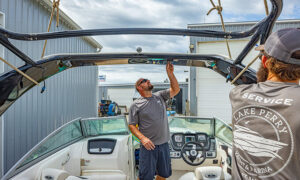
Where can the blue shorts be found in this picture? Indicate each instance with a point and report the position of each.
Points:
(154, 162)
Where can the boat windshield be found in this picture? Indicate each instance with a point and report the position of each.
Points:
(191, 125)
(104, 126)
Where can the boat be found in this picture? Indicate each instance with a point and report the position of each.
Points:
(103, 148)
(91, 148)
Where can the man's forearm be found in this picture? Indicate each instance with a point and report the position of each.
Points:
(173, 83)
(134, 130)
(146, 142)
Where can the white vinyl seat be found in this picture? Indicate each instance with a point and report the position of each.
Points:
(99, 177)
(73, 178)
(188, 176)
(54, 174)
(209, 173)
(204, 173)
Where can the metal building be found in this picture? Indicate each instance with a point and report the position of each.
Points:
(210, 89)
(68, 95)
(123, 94)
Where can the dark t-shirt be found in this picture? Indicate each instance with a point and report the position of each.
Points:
(151, 116)
(266, 124)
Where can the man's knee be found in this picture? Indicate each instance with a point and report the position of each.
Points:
(160, 178)
(146, 176)
(164, 175)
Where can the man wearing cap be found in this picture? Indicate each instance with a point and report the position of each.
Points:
(265, 116)
(149, 112)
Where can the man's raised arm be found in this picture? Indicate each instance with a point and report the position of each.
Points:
(174, 86)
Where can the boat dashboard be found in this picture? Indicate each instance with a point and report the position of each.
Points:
(204, 142)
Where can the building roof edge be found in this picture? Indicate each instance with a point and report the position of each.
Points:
(241, 23)
(48, 5)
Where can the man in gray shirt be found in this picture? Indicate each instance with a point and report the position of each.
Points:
(149, 113)
(266, 124)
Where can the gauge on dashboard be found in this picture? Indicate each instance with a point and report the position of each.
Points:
(189, 138)
(201, 137)
(178, 138)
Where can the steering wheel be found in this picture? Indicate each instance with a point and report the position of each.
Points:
(193, 153)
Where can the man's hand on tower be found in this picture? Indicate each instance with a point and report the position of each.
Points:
(169, 68)
(147, 143)
(174, 89)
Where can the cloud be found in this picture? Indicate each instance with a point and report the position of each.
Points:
(161, 14)
(130, 73)
(151, 43)
(91, 14)
(291, 9)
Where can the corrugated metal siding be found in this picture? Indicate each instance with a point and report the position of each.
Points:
(68, 95)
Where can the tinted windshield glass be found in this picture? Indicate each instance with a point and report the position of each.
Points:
(102, 126)
(66, 135)
(223, 131)
(192, 125)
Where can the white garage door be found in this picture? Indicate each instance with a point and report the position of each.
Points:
(212, 90)
(122, 96)
(212, 95)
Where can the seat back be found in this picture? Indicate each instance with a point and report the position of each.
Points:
(209, 173)
(99, 177)
(104, 174)
(54, 174)
(188, 176)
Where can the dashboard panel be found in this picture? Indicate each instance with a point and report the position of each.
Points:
(179, 139)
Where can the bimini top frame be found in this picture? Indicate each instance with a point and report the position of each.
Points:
(13, 85)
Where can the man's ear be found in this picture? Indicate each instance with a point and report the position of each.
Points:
(264, 61)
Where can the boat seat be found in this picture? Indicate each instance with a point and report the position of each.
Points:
(188, 176)
(209, 172)
(54, 174)
(204, 173)
(99, 177)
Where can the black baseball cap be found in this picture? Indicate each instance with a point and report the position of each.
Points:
(282, 45)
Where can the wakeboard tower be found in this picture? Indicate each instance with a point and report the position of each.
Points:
(13, 84)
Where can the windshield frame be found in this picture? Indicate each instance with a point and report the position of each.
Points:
(84, 128)
(19, 167)
(212, 122)
(226, 125)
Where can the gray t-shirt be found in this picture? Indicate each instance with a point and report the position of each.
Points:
(266, 131)
(150, 114)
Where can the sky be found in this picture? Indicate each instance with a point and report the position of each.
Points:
(92, 14)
